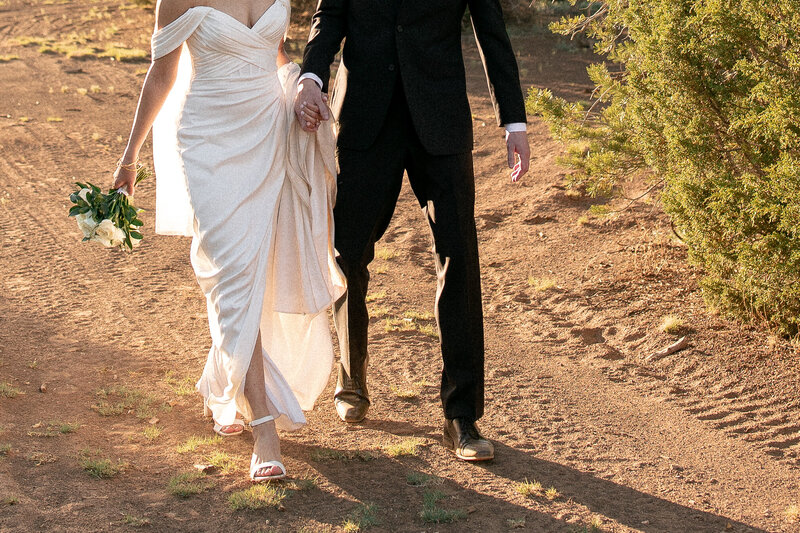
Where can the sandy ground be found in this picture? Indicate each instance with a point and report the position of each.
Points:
(704, 440)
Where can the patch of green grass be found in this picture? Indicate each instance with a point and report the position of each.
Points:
(189, 483)
(33, 364)
(672, 324)
(379, 311)
(541, 285)
(324, 455)
(5, 449)
(428, 330)
(8, 58)
(529, 488)
(222, 461)
(421, 479)
(432, 513)
(151, 433)
(134, 521)
(385, 254)
(182, 386)
(100, 467)
(408, 447)
(259, 496)
(194, 442)
(10, 500)
(363, 517)
(583, 220)
(55, 119)
(121, 399)
(7, 390)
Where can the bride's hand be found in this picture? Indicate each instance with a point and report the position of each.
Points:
(125, 178)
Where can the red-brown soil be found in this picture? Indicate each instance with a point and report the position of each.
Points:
(704, 440)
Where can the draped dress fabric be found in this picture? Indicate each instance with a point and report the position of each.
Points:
(236, 172)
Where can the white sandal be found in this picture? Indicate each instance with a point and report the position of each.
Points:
(218, 427)
(255, 467)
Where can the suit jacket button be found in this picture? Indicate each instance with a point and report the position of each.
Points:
(391, 68)
(400, 28)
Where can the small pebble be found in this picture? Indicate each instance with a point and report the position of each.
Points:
(43, 388)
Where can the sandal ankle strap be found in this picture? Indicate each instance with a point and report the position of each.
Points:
(261, 420)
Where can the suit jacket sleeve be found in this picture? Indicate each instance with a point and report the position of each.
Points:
(328, 27)
(498, 59)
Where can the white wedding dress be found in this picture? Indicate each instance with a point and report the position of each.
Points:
(235, 172)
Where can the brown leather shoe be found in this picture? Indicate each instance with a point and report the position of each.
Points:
(461, 435)
(351, 398)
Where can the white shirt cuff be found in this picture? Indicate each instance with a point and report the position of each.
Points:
(515, 127)
(311, 76)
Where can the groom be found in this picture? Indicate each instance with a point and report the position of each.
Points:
(400, 104)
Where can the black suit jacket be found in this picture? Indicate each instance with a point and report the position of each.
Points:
(420, 41)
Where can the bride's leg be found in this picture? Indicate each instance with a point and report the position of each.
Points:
(267, 445)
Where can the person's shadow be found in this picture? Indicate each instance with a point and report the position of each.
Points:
(384, 478)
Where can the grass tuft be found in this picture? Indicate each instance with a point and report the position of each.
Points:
(516, 523)
(375, 296)
(529, 488)
(259, 496)
(363, 517)
(407, 394)
(182, 386)
(541, 285)
(9, 391)
(151, 433)
(432, 513)
(134, 521)
(10, 500)
(121, 399)
(672, 324)
(5, 450)
(8, 58)
(189, 483)
(194, 442)
(421, 479)
(552, 493)
(222, 461)
(98, 467)
(408, 447)
(324, 455)
(385, 254)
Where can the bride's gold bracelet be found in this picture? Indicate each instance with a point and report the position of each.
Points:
(128, 166)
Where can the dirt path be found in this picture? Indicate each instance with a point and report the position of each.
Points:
(705, 440)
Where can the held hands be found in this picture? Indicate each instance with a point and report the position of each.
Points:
(310, 105)
(519, 151)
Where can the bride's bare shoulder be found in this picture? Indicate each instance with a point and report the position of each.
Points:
(169, 10)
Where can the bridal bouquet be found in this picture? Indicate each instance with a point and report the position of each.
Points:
(108, 218)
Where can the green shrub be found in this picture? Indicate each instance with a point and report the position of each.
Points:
(703, 97)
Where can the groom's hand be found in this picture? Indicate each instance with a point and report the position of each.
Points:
(519, 154)
(310, 105)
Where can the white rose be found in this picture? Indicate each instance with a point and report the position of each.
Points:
(86, 223)
(104, 233)
(119, 236)
(82, 194)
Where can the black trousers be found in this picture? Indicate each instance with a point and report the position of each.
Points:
(369, 184)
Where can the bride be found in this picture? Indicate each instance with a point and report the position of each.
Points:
(236, 173)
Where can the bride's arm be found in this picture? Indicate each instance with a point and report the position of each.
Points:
(157, 84)
(283, 58)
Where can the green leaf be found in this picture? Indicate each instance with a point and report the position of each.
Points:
(136, 235)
